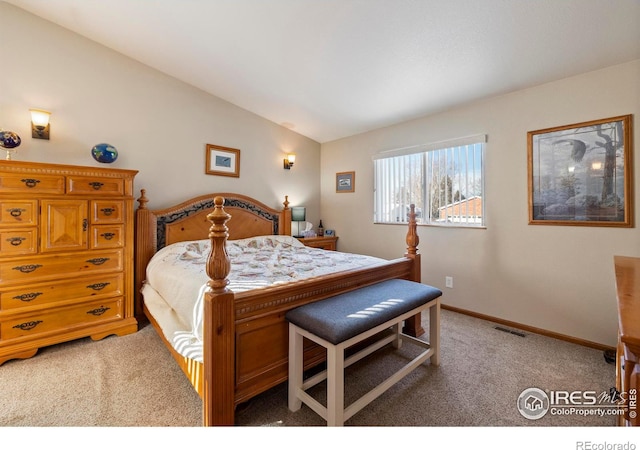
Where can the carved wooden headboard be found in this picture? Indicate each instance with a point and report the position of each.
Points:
(188, 221)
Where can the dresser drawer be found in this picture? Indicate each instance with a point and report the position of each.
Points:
(57, 319)
(18, 241)
(104, 211)
(94, 185)
(19, 212)
(107, 285)
(31, 183)
(36, 268)
(107, 236)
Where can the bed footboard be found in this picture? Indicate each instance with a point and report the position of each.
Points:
(234, 369)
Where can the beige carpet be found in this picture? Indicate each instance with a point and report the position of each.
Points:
(133, 381)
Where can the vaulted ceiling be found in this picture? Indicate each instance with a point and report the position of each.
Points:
(333, 68)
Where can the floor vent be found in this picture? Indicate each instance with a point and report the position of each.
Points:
(506, 330)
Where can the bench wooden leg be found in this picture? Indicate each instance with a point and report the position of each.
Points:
(296, 361)
(434, 332)
(335, 386)
(397, 342)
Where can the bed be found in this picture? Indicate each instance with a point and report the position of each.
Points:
(243, 333)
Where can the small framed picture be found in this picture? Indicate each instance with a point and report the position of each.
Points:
(222, 161)
(345, 182)
(329, 232)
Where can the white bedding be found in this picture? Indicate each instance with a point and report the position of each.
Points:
(176, 278)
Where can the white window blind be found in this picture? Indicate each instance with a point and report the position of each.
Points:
(444, 180)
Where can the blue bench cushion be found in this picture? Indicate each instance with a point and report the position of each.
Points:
(344, 316)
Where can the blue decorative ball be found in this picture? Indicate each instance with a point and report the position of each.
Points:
(104, 153)
(9, 139)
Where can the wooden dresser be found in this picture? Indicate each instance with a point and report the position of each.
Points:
(627, 270)
(66, 255)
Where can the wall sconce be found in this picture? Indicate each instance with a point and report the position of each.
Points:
(289, 160)
(40, 123)
(298, 214)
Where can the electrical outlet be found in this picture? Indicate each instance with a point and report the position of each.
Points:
(448, 282)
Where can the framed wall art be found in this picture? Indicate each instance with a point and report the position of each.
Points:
(345, 182)
(223, 161)
(580, 174)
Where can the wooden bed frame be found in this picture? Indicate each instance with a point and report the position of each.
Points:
(246, 350)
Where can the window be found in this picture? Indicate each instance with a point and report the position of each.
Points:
(444, 180)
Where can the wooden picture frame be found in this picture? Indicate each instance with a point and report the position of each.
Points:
(222, 161)
(580, 174)
(345, 182)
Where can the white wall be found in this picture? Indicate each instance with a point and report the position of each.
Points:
(159, 125)
(557, 278)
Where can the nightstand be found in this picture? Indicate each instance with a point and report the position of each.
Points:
(324, 242)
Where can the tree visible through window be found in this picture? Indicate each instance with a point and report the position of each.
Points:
(444, 181)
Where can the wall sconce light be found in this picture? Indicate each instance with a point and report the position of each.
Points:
(40, 123)
(289, 160)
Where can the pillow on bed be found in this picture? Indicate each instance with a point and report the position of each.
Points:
(273, 240)
(196, 250)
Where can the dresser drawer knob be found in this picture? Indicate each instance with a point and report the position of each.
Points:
(108, 236)
(97, 261)
(16, 240)
(26, 326)
(98, 286)
(28, 268)
(107, 211)
(16, 212)
(28, 297)
(96, 185)
(30, 182)
(99, 311)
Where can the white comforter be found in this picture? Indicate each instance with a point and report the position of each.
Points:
(176, 278)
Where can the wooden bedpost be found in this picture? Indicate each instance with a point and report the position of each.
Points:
(286, 218)
(144, 249)
(219, 329)
(412, 244)
(413, 325)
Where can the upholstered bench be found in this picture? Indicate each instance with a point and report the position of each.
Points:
(344, 320)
